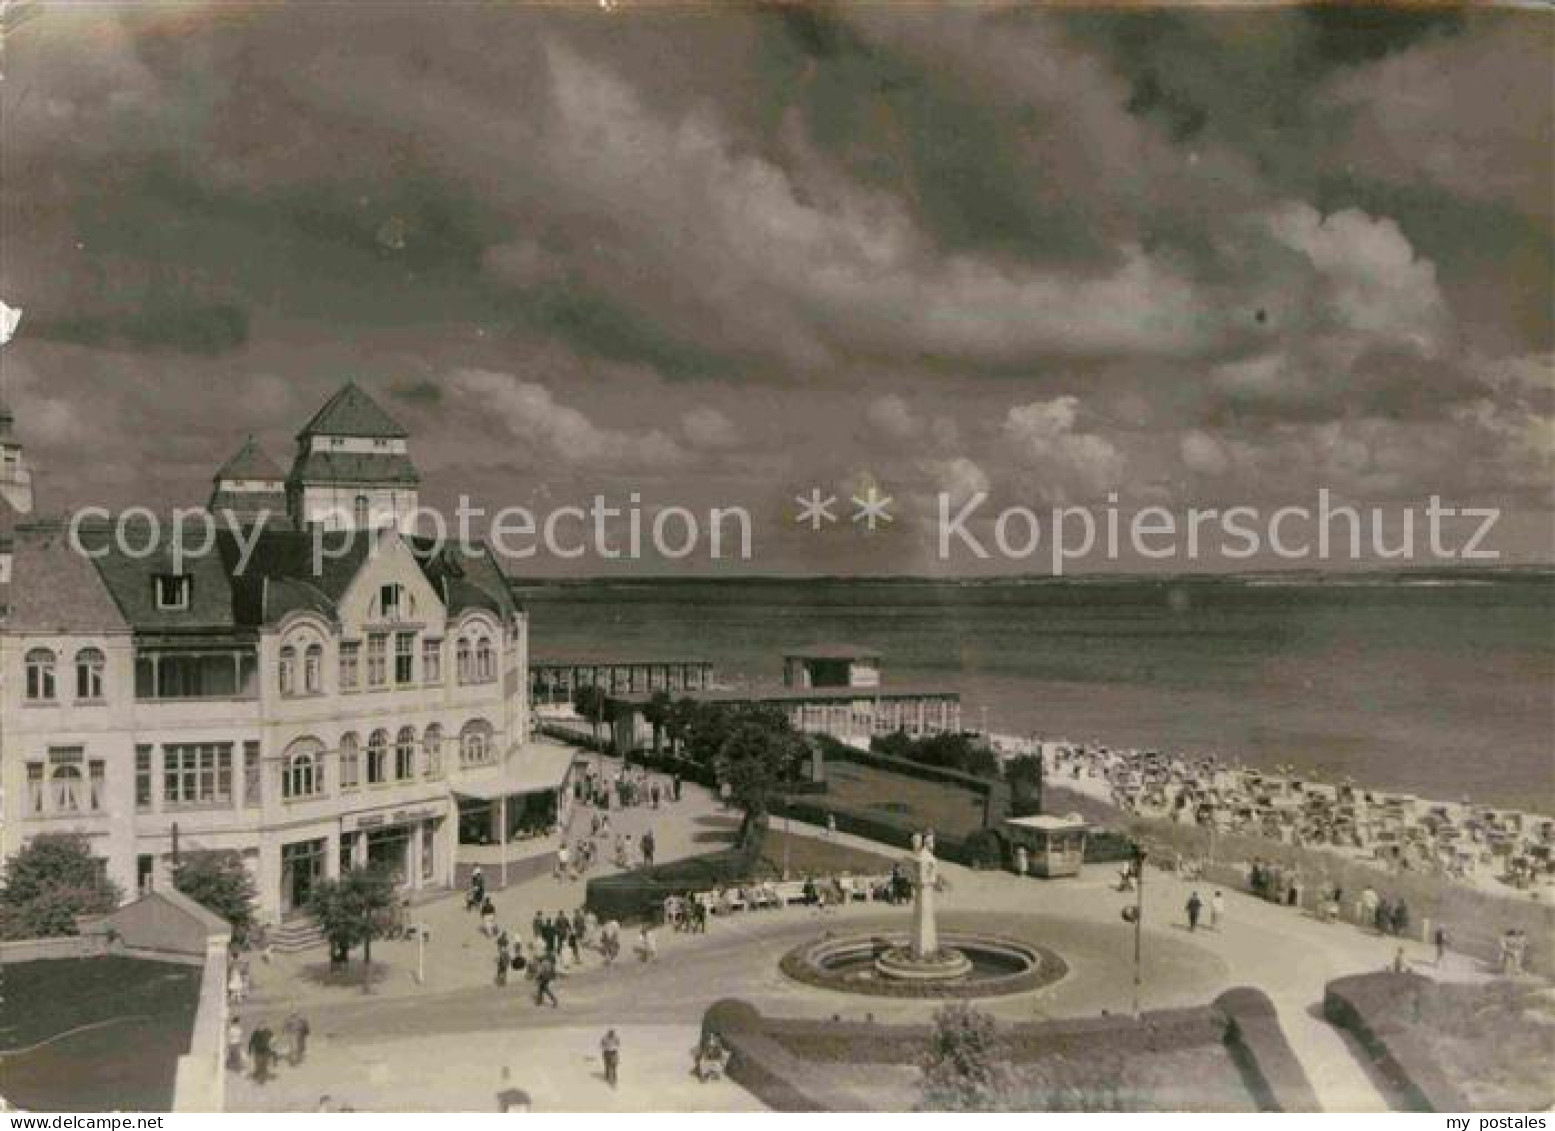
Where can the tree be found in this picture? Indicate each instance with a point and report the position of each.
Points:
(966, 1068)
(51, 881)
(589, 700)
(656, 712)
(756, 759)
(219, 882)
(1024, 775)
(682, 712)
(357, 908)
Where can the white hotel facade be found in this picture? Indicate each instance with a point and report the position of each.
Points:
(311, 717)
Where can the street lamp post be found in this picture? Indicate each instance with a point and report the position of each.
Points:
(1139, 923)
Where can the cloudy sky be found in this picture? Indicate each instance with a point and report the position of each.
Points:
(724, 255)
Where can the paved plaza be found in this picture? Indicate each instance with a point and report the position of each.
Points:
(444, 1044)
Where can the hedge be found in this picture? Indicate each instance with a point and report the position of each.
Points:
(772, 1057)
(640, 893)
(1366, 1005)
(1263, 1055)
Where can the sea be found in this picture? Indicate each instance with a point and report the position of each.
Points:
(1441, 686)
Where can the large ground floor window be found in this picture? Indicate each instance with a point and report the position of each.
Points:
(529, 815)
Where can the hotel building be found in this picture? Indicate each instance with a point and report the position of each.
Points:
(325, 690)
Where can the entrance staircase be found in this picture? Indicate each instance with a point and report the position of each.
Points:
(295, 934)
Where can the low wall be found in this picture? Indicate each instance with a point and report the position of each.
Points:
(64, 946)
(770, 1056)
(201, 1082)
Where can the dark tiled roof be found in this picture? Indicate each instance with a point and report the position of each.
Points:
(351, 412)
(466, 580)
(354, 468)
(131, 579)
(56, 589)
(228, 591)
(281, 576)
(250, 462)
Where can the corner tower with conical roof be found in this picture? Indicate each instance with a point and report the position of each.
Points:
(353, 468)
(251, 485)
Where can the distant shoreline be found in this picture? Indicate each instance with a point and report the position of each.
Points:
(1380, 576)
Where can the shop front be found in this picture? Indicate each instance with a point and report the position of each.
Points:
(403, 840)
(510, 816)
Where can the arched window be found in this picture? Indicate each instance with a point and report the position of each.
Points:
(462, 660)
(287, 672)
(475, 743)
(350, 761)
(377, 757)
(302, 772)
(65, 787)
(313, 669)
(405, 754)
(432, 747)
(89, 673)
(40, 675)
(359, 512)
(485, 665)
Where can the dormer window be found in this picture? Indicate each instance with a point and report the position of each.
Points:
(173, 590)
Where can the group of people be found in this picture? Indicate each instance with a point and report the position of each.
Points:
(625, 788)
(260, 1052)
(1514, 951)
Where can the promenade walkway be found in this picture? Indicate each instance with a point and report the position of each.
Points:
(443, 1045)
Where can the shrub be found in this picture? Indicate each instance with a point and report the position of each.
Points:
(967, 1066)
(219, 882)
(49, 883)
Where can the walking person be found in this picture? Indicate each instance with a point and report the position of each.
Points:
(1440, 939)
(1217, 908)
(545, 974)
(261, 1050)
(610, 1053)
(1195, 905)
(296, 1029)
(648, 845)
(234, 1045)
(477, 896)
(647, 945)
(675, 786)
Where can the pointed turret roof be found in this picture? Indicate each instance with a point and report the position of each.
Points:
(351, 412)
(250, 462)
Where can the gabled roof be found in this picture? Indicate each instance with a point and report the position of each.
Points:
(351, 412)
(250, 462)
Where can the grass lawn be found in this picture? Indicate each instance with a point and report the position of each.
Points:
(809, 855)
(95, 1034)
(1496, 1042)
(904, 800)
